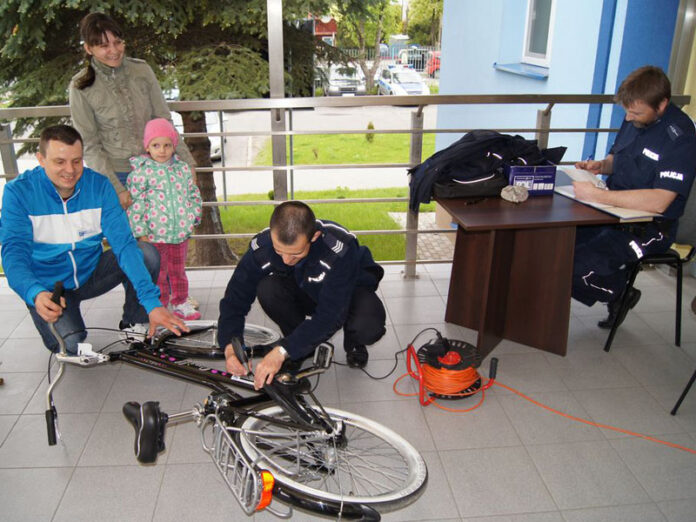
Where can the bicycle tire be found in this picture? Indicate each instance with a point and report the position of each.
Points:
(373, 466)
(201, 342)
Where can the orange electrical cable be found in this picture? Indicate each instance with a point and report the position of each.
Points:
(598, 425)
(450, 383)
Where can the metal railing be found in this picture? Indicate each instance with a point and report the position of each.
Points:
(279, 108)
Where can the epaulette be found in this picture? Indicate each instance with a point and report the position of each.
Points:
(334, 244)
(254, 243)
(674, 131)
(136, 60)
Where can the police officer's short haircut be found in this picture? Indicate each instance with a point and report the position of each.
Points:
(63, 133)
(648, 84)
(291, 220)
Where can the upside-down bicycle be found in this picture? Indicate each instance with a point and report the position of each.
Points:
(275, 444)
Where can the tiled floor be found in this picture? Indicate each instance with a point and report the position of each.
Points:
(506, 461)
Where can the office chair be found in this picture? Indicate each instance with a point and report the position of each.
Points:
(686, 235)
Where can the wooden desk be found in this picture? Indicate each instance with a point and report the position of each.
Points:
(512, 268)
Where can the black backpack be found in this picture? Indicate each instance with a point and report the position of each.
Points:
(473, 166)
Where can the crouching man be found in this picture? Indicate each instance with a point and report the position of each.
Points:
(312, 278)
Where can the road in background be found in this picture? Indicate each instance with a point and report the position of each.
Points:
(240, 151)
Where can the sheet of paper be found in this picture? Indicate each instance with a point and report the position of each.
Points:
(583, 175)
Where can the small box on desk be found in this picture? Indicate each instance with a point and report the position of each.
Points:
(539, 180)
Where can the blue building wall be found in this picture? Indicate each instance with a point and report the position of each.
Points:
(595, 44)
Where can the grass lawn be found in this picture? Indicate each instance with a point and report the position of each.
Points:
(354, 216)
(349, 148)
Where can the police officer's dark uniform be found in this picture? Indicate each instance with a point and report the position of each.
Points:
(661, 155)
(333, 287)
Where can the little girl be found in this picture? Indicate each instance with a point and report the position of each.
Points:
(166, 206)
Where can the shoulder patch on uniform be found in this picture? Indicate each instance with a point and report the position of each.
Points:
(674, 131)
(334, 244)
(254, 244)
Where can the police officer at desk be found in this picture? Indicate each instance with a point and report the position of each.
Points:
(311, 278)
(650, 167)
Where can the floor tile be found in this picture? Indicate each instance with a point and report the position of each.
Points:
(485, 427)
(634, 513)
(591, 370)
(495, 481)
(551, 516)
(631, 409)
(27, 444)
(536, 425)
(81, 390)
(665, 473)
(408, 288)
(115, 493)
(195, 492)
(135, 384)
(18, 390)
(6, 423)
(355, 386)
(11, 319)
(32, 494)
(586, 474)
(678, 510)
(415, 310)
(407, 420)
(528, 372)
(23, 355)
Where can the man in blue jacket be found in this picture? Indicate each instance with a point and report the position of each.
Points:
(650, 167)
(311, 277)
(54, 218)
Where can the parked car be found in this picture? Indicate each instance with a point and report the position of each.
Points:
(212, 124)
(413, 57)
(398, 80)
(345, 80)
(432, 66)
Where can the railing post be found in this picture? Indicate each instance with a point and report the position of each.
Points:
(411, 216)
(543, 124)
(276, 73)
(9, 158)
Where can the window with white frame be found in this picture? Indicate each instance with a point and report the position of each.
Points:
(538, 32)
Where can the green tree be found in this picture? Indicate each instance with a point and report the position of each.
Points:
(425, 21)
(210, 50)
(364, 26)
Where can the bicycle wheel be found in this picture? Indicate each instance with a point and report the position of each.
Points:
(368, 464)
(201, 341)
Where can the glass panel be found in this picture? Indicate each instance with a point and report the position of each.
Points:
(539, 26)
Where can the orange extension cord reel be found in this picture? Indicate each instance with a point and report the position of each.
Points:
(446, 369)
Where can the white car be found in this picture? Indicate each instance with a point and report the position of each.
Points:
(401, 81)
(212, 124)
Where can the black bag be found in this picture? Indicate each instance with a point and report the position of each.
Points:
(484, 186)
(477, 159)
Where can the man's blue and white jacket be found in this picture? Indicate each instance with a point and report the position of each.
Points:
(46, 239)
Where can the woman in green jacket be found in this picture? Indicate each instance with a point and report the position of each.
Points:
(112, 100)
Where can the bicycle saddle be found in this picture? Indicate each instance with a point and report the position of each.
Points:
(149, 423)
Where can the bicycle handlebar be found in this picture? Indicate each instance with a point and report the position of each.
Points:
(58, 292)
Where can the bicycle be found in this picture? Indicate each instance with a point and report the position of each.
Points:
(276, 443)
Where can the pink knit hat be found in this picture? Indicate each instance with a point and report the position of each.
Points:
(157, 128)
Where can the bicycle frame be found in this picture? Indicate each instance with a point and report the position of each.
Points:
(248, 483)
